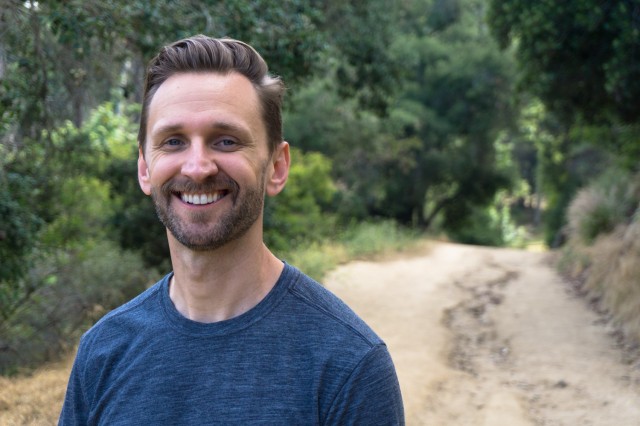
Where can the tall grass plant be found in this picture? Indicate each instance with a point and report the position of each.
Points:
(602, 254)
(614, 277)
(358, 241)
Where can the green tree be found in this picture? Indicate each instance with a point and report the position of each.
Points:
(457, 100)
(577, 57)
(433, 152)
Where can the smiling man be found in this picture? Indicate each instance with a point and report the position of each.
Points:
(233, 335)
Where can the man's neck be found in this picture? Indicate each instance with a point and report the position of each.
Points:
(212, 286)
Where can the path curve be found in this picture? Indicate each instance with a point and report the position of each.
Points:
(485, 336)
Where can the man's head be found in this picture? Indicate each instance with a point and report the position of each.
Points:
(206, 54)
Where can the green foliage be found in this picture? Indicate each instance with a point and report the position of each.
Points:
(366, 239)
(358, 140)
(577, 56)
(134, 223)
(82, 206)
(56, 217)
(400, 112)
(456, 102)
(610, 200)
(362, 240)
(316, 259)
(481, 227)
(69, 291)
(435, 146)
(490, 226)
(365, 68)
(299, 213)
(18, 226)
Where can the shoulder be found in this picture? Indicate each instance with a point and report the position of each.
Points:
(331, 308)
(365, 386)
(135, 311)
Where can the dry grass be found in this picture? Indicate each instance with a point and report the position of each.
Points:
(603, 250)
(586, 201)
(614, 276)
(35, 399)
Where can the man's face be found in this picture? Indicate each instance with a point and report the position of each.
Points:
(206, 161)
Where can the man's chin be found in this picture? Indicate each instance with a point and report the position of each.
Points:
(198, 242)
(201, 246)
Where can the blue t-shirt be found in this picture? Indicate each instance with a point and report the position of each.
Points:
(300, 357)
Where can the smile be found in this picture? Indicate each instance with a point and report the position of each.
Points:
(200, 199)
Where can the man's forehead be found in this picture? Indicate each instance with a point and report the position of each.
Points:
(227, 100)
(206, 90)
(207, 79)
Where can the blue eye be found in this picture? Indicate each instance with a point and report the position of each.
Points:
(226, 144)
(174, 142)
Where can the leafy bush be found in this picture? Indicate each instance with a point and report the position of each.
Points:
(600, 207)
(299, 213)
(372, 238)
(70, 290)
(490, 226)
(317, 259)
(18, 226)
(358, 241)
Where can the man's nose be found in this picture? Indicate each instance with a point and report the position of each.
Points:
(200, 162)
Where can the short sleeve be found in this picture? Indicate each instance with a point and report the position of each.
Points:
(371, 395)
(75, 407)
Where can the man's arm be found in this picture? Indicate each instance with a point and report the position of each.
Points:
(75, 408)
(371, 395)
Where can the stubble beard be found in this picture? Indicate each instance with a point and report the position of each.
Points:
(201, 232)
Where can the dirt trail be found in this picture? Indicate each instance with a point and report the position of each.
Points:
(492, 337)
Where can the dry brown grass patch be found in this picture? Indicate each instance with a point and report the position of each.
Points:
(614, 276)
(35, 399)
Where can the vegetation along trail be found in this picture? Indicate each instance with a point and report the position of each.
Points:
(484, 336)
(480, 336)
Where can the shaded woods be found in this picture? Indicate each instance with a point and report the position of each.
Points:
(480, 120)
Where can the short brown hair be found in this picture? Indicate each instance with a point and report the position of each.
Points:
(206, 54)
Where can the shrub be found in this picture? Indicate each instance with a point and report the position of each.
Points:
(368, 238)
(600, 207)
(357, 241)
(614, 276)
(490, 226)
(317, 259)
(298, 215)
(70, 290)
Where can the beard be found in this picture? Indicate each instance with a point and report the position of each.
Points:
(200, 231)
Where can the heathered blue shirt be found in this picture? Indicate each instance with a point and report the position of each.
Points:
(300, 357)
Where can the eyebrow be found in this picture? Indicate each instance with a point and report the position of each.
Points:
(217, 125)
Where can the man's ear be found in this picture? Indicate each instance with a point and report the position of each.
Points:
(280, 169)
(143, 173)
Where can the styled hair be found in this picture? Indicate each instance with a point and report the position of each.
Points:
(206, 54)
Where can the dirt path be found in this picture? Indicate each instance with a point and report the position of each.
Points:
(492, 337)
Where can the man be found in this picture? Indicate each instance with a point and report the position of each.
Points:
(233, 335)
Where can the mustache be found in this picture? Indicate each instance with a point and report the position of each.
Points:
(210, 184)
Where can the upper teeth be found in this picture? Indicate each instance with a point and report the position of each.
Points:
(200, 198)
